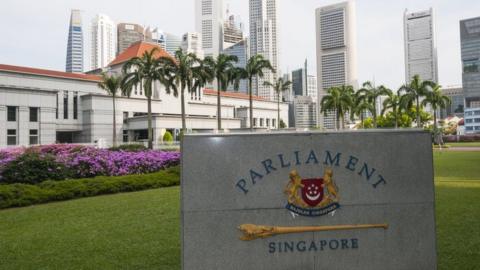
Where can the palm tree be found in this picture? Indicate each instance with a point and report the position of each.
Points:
(279, 86)
(179, 72)
(254, 69)
(143, 72)
(360, 106)
(221, 69)
(112, 85)
(412, 92)
(371, 94)
(393, 102)
(438, 101)
(338, 99)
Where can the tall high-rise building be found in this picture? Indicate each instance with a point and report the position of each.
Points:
(129, 33)
(305, 112)
(420, 45)
(336, 52)
(74, 62)
(192, 43)
(172, 43)
(240, 50)
(299, 81)
(209, 22)
(312, 88)
(103, 41)
(470, 44)
(232, 32)
(263, 41)
(158, 37)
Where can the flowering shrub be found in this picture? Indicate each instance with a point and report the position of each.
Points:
(85, 161)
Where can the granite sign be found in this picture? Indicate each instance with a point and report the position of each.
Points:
(362, 200)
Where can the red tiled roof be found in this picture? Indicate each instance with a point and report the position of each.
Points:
(50, 73)
(231, 94)
(137, 50)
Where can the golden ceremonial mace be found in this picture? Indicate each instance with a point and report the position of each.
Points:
(252, 231)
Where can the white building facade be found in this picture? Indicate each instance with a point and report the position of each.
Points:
(420, 45)
(472, 120)
(209, 23)
(40, 106)
(336, 52)
(103, 41)
(264, 41)
(192, 43)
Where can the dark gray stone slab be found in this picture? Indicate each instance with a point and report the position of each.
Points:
(399, 192)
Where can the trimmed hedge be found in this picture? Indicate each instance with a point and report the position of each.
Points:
(129, 148)
(16, 195)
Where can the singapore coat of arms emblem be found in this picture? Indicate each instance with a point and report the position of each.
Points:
(312, 197)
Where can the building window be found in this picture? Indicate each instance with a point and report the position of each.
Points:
(254, 122)
(125, 117)
(11, 137)
(469, 121)
(75, 105)
(261, 122)
(268, 122)
(11, 114)
(33, 136)
(125, 136)
(477, 120)
(65, 104)
(33, 114)
(274, 123)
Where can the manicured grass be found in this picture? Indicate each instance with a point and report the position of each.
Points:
(464, 144)
(458, 224)
(140, 230)
(450, 165)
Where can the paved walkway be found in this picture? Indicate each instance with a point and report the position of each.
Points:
(460, 149)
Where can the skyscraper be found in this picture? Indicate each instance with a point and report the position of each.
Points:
(172, 43)
(158, 37)
(232, 32)
(470, 44)
(263, 41)
(336, 52)
(305, 112)
(420, 45)
(74, 62)
(192, 43)
(103, 41)
(240, 50)
(209, 22)
(129, 33)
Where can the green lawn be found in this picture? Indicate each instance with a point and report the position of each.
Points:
(140, 230)
(464, 144)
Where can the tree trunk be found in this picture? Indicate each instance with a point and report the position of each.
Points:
(251, 103)
(278, 107)
(150, 131)
(361, 121)
(114, 139)
(219, 107)
(337, 124)
(396, 118)
(418, 113)
(375, 113)
(184, 124)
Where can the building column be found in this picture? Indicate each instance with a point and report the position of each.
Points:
(3, 126)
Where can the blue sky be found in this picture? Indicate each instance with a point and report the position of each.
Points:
(34, 32)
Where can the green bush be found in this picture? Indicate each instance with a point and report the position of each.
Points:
(15, 195)
(33, 168)
(167, 137)
(129, 147)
